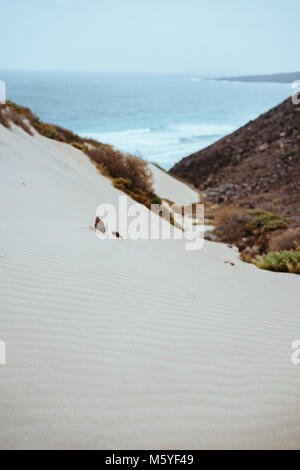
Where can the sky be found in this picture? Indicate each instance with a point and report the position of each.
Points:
(159, 36)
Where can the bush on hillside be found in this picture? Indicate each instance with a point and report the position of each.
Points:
(266, 220)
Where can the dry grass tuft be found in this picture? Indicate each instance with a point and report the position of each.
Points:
(120, 165)
(287, 240)
(3, 117)
(231, 223)
(9, 115)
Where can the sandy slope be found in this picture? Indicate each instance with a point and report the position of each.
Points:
(172, 189)
(131, 344)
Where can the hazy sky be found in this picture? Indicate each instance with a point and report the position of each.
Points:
(190, 36)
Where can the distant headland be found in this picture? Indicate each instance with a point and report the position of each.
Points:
(272, 78)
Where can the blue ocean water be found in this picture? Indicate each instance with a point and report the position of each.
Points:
(163, 118)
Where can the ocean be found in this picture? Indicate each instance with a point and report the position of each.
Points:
(162, 118)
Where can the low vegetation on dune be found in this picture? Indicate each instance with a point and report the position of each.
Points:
(10, 113)
(280, 261)
(128, 173)
(25, 118)
(122, 165)
(138, 194)
(233, 223)
(263, 238)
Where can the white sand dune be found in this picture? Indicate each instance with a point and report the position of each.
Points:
(131, 344)
(172, 189)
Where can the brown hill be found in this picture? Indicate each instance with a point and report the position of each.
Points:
(256, 166)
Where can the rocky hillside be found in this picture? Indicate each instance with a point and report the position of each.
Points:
(256, 166)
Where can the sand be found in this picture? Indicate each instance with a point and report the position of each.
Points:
(132, 344)
(172, 189)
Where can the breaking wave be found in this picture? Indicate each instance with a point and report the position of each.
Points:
(163, 145)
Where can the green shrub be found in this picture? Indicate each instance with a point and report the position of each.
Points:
(102, 169)
(78, 146)
(266, 220)
(292, 153)
(124, 184)
(280, 261)
(140, 195)
(156, 199)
